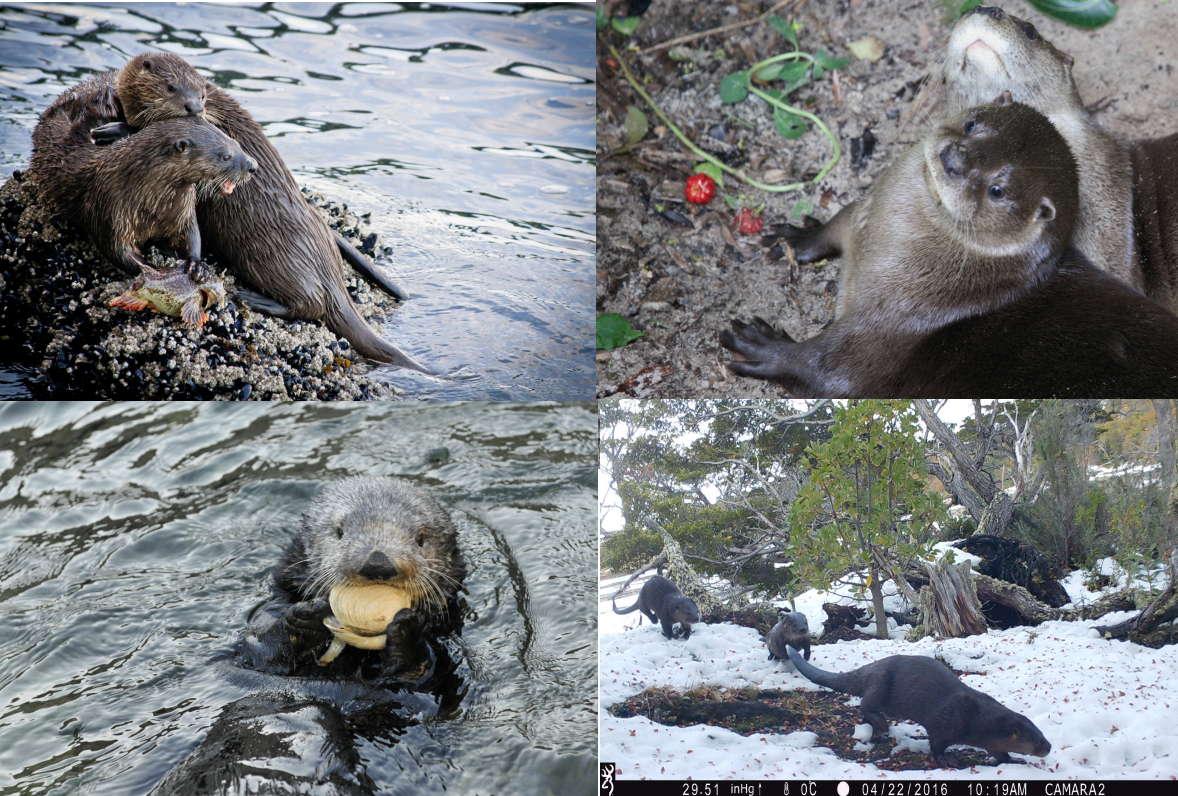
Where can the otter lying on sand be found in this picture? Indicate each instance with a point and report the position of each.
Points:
(361, 532)
(961, 281)
(923, 690)
(661, 601)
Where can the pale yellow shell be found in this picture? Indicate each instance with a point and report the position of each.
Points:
(367, 608)
(362, 613)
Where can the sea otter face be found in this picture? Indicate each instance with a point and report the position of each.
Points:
(1004, 177)
(382, 530)
(158, 86)
(991, 51)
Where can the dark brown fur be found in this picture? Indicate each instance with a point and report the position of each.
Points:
(792, 631)
(266, 230)
(137, 190)
(661, 601)
(923, 690)
(1155, 215)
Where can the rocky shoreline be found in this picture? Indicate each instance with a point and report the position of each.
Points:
(57, 326)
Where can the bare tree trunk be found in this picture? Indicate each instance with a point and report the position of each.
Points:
(973, 475)
(881, 618)
(996, 517)
(1163, 408)
(949, 604)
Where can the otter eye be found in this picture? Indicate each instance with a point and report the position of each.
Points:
(969, 127)
(171, 89)
(1029, 31)
(421, 539)
(225, 156)
(996, 192)
(339, 532)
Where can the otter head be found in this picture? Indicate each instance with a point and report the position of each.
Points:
(158, 86)
(209, 157)
(1002, 177)
(991, 51)
(1014, 732)
(381, 530)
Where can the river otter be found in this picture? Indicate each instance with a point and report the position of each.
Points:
(921, 689)
(661, 601)
(362, 530)
(268, 233)
(792, 631)
(136, 190)
(961, 238)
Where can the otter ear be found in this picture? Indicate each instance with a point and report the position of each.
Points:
(1046, 210)
(147, 65)
(181, 145)
(1004, 99)
(1068, 60)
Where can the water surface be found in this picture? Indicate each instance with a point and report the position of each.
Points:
(466, 130)
(135, 539)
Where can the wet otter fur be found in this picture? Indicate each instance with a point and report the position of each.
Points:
(1155, 215)
(661, 601)
(921, 689)
(792, 631)
(266, 232)
(137, 190)
(369, 530)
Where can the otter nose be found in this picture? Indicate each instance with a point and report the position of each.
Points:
(953, 159)
(378, 567)
(994, 11)
(253, 166)
(193, 107)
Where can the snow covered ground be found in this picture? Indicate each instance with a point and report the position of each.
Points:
(1109, 708)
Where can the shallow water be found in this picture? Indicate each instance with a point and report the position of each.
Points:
(466, 130)
(136, 538)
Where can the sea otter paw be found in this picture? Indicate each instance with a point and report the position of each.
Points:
(406, 652)
(304, 623)
(781, 236)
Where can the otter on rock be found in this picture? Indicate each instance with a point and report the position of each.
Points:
(138, 190)
(661, 601)
(921, 689)
(266, 232)
(961, 280)
(792, 631)
(364, 530)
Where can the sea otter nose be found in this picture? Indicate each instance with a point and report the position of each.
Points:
(378, 567)
(193, 107)
(993, 11)
(953, 159)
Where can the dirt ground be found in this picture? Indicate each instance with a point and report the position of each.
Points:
(682, 284)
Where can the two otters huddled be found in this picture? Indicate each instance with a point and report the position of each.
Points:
(1007, 253)
(154, 152)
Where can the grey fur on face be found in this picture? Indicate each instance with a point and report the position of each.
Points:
(381, 530)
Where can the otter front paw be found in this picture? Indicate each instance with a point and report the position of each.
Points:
(406, 655)
(109, 133)
(762, 347)
(809, 242)
(304, 624)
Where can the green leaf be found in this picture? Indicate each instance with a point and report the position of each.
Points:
(734, 88)
(602, 19)
(785, 29)
(636, 125)
(626, 26)
(734, 204)
(795, 76)
(770, 72)
(614, 331)
(1081, 13)
(713, 171)
(826, 62)
(800, 209)
(788, 125)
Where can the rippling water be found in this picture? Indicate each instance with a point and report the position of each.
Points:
(466, 130)
(136, 538)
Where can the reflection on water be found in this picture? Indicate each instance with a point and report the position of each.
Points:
(466, 130)
(135, 539)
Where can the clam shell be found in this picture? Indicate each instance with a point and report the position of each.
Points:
(366, 609)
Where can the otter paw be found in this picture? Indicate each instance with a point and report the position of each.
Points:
(759, 345)
(304, 623)
(406, 652)
(109, 133)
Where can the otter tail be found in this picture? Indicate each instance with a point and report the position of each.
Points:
(815, 675)
(341, 318)
(631, 609)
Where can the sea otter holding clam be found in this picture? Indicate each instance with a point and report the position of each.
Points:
(370, 580)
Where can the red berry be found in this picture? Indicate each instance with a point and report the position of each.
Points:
(748, 222)
(700, 189)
